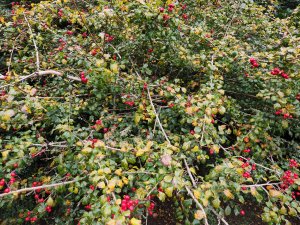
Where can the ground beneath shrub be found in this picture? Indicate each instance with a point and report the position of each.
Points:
(166, 215)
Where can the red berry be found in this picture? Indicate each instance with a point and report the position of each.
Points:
(242, 212)
(185, 16)
(16, 165)
(33, 219)
(84, 80)
(192, 132)
(13, 174)
(84, 35)
(7, 190)
(2, 182)
(161, 9)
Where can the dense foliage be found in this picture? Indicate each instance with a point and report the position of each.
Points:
(108, 107)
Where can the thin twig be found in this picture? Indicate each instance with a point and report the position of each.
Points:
(37, 187)
(218, 216)
(198, 204)
(261, 185)
(40, 73)
(157, 118)
(190, 174)
(35, 45)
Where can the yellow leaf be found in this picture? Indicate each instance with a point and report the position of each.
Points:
(205, 202)
(197, 194)
(192, 169)
(5, 154)
(275, 193)
(101, 185)
(169, 191)
(86, 150)
(114, 67)
(2, 19)
(118, 172)
(199, 215)
(99, 144)
(111, 222)
(50, 202)
(228, 194)
(135, 221)
(253, 191)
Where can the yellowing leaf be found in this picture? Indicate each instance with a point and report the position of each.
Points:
(101, 185)
(114, 67)
(5, 154)
(169, 191)
(275, 194)
(205, 202)
(228, 194)
(50, 202)
(197, 194)
(135, 221)
(199, 215)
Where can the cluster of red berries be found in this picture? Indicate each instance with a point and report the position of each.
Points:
(293, 163)
(246, 174)
(12, 178)
(2, 184)
(62, 44)
(30, 219)
(245, 165)
(171, 105)
(288, 179)
(130, 103)
(94, 52)
(171, 7)
(60, 13)
(15, 3)
(83, 78)
(285, 115)
(277, 71)
(109, 38)
(84, 35)
(185, 16)
(254, 63)
(247, 150)
(295, 194)
(298, 97)
(151, 208)
(97, 124)
(128, 204)
(88, 207)
(69, 32)
(35, 184)
(94, 141)
(48, 209)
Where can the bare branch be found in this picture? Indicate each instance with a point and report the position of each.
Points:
(157, 118)
(37, 187)
(40, 73)
(35, 45)
(190, 174)
(198, 204)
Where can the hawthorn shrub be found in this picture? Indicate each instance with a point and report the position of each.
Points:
(108, 107)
